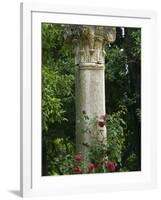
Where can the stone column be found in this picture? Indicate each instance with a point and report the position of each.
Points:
(89, 43)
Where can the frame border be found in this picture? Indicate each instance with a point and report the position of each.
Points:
(26, 10)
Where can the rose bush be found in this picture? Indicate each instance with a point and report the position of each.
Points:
(103, 155)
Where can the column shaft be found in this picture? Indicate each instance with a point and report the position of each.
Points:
(90, 98)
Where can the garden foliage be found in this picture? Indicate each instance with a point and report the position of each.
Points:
(121, 151)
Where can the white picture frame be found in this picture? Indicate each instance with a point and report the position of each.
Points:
(32, 183)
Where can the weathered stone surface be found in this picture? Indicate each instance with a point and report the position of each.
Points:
(89, 43)
(90, 97)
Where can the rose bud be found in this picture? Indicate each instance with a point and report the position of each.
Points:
(111, 166)
(90, 167)
(77, 169)
(78, 157)
(104, 116)
(101, 123)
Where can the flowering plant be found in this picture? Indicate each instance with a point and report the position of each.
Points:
(103, 155)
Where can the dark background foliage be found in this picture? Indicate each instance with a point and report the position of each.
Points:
(123, 90)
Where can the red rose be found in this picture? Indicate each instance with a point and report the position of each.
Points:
(77, 169)
(78, 157)
(101, 123)
(90, 167)
(111, 166)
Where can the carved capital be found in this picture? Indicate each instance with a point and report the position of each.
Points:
(89, 42)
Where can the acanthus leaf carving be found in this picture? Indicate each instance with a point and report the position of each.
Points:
(89, 42)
